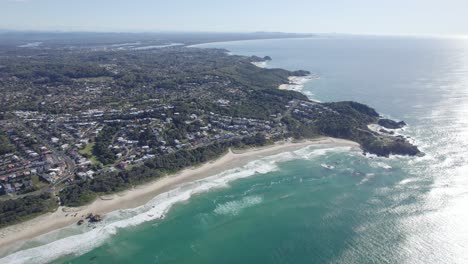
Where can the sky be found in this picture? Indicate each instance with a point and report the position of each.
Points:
(382, 17)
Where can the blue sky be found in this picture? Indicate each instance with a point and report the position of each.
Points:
(395, 17)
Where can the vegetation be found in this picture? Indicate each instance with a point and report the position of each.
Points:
(101, 147)
(349, 120)
(18, 210)
(82, 192)
(199, 76)
(87, 152)
(5, 144)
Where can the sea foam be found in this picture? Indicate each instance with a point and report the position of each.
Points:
(234, 207)
(297, 83)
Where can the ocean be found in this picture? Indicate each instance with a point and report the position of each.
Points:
(288, 208)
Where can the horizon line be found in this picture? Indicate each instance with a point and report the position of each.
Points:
(63, 31)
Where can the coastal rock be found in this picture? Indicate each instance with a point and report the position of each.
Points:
(386, 131)
(390, 124)
(95, 218)
(386, 145)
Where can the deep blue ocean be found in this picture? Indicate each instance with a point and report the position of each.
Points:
(290, 209)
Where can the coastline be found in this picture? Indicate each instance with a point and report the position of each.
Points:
(12, 237)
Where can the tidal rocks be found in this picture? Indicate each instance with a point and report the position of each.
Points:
(94, 218)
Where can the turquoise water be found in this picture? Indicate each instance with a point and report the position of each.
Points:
(288, 208)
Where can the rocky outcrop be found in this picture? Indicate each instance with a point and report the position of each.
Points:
(382, 130)
(260, 59)
(386, 144)
(390, 124)
(394, 146)
(349, 120)
(300, 73)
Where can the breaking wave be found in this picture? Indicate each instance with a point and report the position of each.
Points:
(234, 207)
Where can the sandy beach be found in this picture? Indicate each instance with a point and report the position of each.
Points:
(260, 64)
(12, 236)
(296, 83)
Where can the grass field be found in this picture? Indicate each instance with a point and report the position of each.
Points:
(88, 153)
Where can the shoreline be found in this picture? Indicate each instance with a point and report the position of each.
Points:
(12, 237)
(296, 83)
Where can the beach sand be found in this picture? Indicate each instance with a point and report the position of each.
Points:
(12, 236)
(296, 83)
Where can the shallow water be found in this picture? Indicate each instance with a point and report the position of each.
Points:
(289, 208)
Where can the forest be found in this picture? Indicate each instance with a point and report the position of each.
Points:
(13, 211)
(5, 144)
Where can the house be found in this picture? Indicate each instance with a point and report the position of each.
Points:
(90, 174)
(9, 188)
(18, 186)
(122, 165)
(28, 184)
(47, 178)
(44, 149)
(81, 175)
